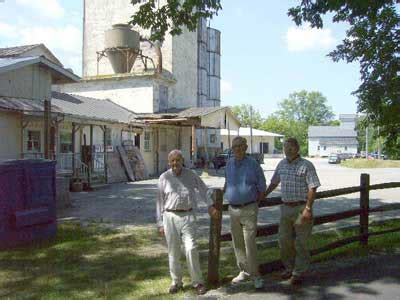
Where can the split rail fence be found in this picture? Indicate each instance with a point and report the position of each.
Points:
(216, 236)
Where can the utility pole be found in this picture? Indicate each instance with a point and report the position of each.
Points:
(379, 144)
(251, 129)
(366, 142)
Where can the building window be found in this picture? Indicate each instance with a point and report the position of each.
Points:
(65, 141)
(324, 147)
(213, 138)
(345, 148)
(318, 148)
(108, 137)
(33, 141)
(147, 139)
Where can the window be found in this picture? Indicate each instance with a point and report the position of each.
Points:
(65, 141)
(213, 138)
(345, 148)
(324, 147)
(108, 137)
(147, 140)
(318, 148)
(33, 141)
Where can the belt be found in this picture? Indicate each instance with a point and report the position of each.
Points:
(179, 210)
(241, 205)
(294, 203)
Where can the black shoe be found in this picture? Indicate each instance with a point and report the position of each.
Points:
(285, 275)
(296, 280)
(200, 289)
(173, 289)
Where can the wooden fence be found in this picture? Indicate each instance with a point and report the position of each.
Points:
(216, 237)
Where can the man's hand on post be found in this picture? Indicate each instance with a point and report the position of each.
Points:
(161, 231)
(307, 215)
(213, 212)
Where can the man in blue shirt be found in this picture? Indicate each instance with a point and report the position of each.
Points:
(244, 187)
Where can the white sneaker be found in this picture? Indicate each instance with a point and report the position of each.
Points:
(243, 276)
(258, 283)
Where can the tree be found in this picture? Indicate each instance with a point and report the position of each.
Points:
(307, 107)
(373, 40)
(173, 16)
(296, 113)
(243, 113)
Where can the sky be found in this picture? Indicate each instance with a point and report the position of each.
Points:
(264, 56)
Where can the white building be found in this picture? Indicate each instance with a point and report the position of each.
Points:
(261, 141)
(323, 140)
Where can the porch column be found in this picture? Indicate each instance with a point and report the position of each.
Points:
(105, 152)
(91, 147)
(46, 126)
(194, 150)
(73, 149)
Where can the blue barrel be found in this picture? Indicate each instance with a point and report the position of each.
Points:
(27, 202)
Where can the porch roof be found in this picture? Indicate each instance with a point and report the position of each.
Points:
(197, 116)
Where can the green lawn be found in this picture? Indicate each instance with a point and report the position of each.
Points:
(94, 263)
(360, 163)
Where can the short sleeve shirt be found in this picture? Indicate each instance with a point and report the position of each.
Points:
(296, 178)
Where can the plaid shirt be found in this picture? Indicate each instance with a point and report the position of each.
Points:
(296, 178)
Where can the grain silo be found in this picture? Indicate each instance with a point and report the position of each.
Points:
(214, 69)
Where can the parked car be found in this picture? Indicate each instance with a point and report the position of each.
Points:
(221, 159)
(334, 158)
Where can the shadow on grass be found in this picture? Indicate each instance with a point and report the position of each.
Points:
(83, 264)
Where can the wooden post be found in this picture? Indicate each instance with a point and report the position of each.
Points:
(46, 130)
(105, 153)
(194, 150)
(364, 208)
(73, 150)
(215, 239)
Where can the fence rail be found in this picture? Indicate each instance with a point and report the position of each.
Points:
(216, 237)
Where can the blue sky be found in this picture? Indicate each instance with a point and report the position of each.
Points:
(265, 57)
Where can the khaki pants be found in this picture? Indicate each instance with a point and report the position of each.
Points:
(293, 239)
(244, 231)
(180, 227)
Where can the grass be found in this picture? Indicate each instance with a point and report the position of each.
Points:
(360, 163)
(95, 263)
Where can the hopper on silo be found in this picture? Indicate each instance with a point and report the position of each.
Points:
(122, 46)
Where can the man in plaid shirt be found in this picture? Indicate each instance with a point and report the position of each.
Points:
(299, 183)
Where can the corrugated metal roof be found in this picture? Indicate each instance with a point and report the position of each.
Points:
(245, 131)
(338, 141)
(330, 131)
(12, 63)
(16, 51)
(21, 104)
(92, 108)
(194, 112)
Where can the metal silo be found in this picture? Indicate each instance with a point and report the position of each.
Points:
(203, 63)
(122, 47)
(214, 67)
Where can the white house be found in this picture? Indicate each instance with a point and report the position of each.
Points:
(261, 141)
(323, 140)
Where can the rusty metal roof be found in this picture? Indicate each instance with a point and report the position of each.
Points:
(16, 51)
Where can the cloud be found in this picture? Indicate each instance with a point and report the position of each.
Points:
(226, 88)
(7, 31)
(307, 38)
(49, 8)
(65, 42)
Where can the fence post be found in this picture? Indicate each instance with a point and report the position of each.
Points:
(364, 209)
(215, 240)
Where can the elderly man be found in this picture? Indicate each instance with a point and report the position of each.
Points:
(299, 182)
(244, 188)
(176, 220)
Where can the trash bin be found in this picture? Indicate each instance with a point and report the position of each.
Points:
(27, 202)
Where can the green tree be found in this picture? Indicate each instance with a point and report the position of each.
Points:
(373, 40)
(308, 107)
(296, 113)
(243, 113)
(173, 16)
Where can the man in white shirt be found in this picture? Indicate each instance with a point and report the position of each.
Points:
(176, 220)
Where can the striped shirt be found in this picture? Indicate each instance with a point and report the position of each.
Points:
(179, 192)
(296, 178)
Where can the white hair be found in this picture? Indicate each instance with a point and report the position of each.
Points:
(174, 153)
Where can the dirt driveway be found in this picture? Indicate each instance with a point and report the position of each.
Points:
(127, 205)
